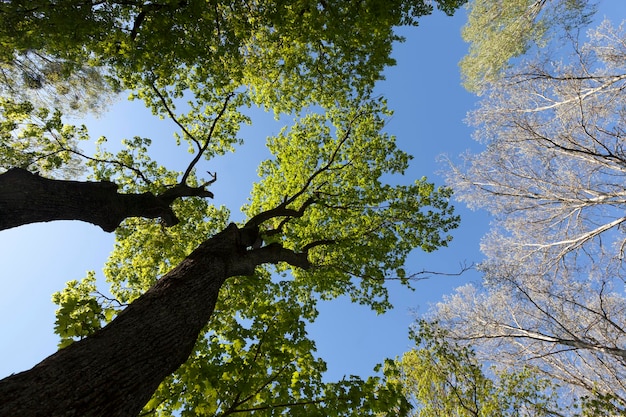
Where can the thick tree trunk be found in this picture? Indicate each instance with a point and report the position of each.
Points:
(28, 198)
(115, 371)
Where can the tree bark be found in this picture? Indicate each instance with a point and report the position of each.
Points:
(28, 198)
(115, 371)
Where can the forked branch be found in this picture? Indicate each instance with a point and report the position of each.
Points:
(282, 209)
(201, 145)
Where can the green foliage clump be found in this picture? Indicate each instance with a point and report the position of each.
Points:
(498, 33)
(441, 378)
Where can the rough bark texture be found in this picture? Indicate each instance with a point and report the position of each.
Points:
(28, 198)
(115, 371)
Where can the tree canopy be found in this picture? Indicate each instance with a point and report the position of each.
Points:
(497, 34)
(204, 316)
(287, 54)
(552, 175)
(442, 378)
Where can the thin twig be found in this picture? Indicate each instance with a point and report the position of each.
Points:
(203, 148)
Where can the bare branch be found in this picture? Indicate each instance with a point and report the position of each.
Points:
(207, 140)
(171, 114)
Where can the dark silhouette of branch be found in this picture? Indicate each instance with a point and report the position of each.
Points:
(171, 114)
(416, 276)
(272, 406)
(279, 211)
(282, 210)
(207, 141)
(328, 165)
(76, 152)
(426, 274)
(145, 9)
(202, 147)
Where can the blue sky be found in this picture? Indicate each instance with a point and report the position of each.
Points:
(430, 105)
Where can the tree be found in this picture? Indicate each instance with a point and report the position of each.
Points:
(37, 140)
(498, 34)
(55, 83)
(283, 57)
(552, 174)
(283, 51)
(441, 378)
(65, 78)
(195, 321)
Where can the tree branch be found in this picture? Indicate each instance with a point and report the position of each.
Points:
(28, 198)
(171, 113)
(203, 148)
(279, 211)
(275, 253)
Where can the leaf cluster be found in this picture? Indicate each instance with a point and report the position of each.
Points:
(38, 140)
(328, 167)
(443, 378)
(498, 34)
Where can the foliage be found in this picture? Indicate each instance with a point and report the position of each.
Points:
(332, 188)
(284, 56)
(552, 174)
(331, 164)
(51, 82)
(254, 354)
(37, 139)
(443, 378)
(80, 314)
(289, 54)
(497, 34)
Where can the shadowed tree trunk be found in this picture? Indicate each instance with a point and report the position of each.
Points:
(28, 198)
(115, 371)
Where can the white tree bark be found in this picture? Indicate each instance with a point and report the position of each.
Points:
(553, 174)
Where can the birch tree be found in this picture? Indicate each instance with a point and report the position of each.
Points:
(553, 176)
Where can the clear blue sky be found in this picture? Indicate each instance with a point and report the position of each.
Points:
(430, 105)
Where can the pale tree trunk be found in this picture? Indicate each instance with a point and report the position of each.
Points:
(115, 371)
(28, 198)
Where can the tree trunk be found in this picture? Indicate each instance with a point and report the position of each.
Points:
(115, 371)
(28, 198)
